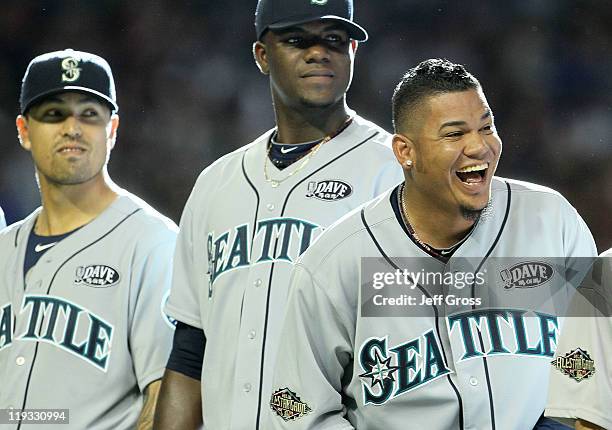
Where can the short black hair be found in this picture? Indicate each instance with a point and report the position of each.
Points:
(430, 77)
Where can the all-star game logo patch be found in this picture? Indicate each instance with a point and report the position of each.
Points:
(96, 276)
(528, 274)
(288, 405)
(576, 364)
(329, 190)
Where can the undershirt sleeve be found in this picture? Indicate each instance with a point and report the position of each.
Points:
(187, 351)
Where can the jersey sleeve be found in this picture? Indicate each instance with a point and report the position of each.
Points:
(579, 247)
(189, 277)
(588, 333)
(315, 350)
(390, 175)
(2, 220)
(578, 240)
(151, 332)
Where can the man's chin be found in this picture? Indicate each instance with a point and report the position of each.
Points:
(472, 212)
(321, 102)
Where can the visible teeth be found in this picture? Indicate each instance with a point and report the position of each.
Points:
(474, 168)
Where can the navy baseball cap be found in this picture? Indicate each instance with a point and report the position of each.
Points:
(67, 70)
(280, 14)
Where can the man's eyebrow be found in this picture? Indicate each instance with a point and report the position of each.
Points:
(452, 124)
(486, 115)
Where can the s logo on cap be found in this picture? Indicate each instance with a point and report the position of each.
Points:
(318, 2)
(71, 70)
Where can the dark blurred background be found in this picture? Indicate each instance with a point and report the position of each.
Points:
(189, 91)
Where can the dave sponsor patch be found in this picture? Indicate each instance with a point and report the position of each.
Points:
(528, 274)
(288, 405)
(576, 364)
(96, 276)
(329, 190)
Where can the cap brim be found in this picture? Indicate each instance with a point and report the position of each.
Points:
(112, 104)
(355, 31)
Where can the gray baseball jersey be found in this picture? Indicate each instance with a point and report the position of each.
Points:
(85, 330)
(581, 376)
(341, 366)
(2, 220)
(240, 235)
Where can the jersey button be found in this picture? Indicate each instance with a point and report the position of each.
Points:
(473, 381)
(257, 283)
(252, 334)
(247, 387)
(270, 206)
(20, 361)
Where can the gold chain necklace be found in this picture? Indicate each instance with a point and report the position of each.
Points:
(406, 219)
(276, 182)
(413, 232)
(305, 159)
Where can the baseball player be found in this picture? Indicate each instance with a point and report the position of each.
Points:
(580, 392)
(2, 220)
(427, 360)
(83, 277)
(254, 211)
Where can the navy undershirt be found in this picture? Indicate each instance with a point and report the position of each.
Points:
(38, 246)
(187, 353)
(283, 155)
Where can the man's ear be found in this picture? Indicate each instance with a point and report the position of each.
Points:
(403, 148)
(112, 133)
(23, 133)
(261, 57)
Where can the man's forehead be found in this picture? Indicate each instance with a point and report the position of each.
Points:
(451, 103)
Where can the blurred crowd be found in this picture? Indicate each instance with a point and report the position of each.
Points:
(189, 91)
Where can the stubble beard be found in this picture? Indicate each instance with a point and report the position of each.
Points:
(472, 215)
(469, 214)
(67, 175)
(316, 100)
(309, 103)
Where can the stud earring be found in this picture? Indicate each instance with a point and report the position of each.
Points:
(408, 163)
